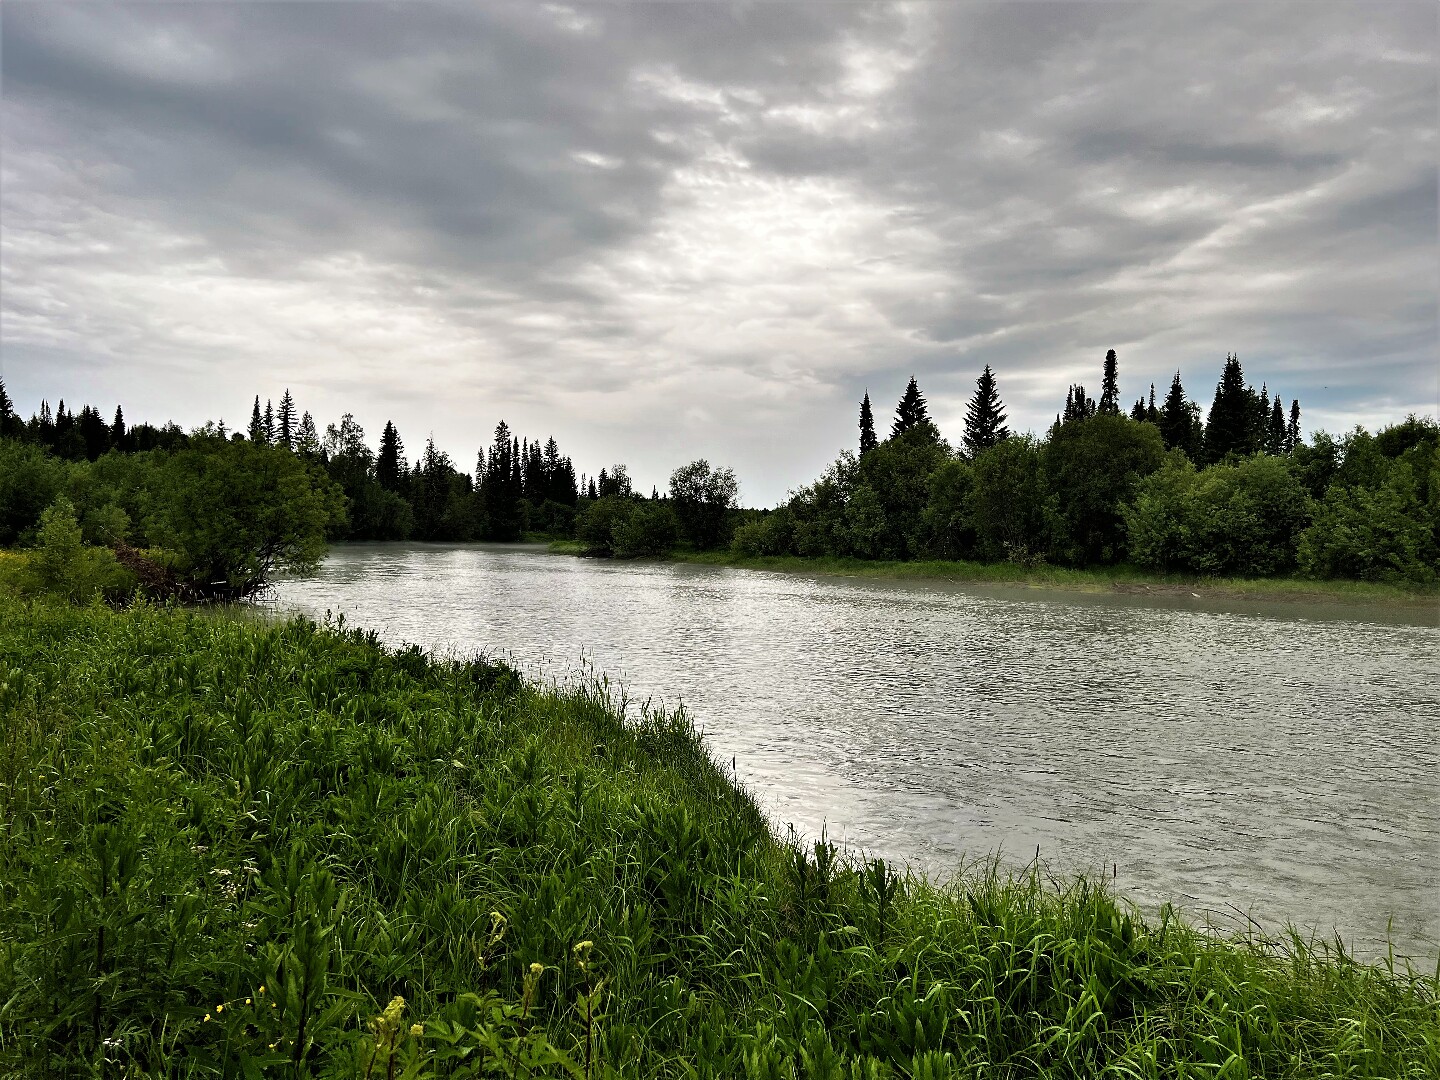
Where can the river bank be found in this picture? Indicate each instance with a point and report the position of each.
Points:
(1116, 579)
(231, 843)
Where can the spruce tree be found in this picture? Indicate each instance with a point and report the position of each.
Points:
(285, 428)
(1078, 405)
(390, 464)
(268, 423)
(911, 411)
(10, 425)
(1275, 429)
(307, 439)
(1152, 414)
(868, 441)
(1292, 429)
(1231, 423)
(1110, 386)
(1137, 411)
(984, 416)
(118, 434)
(257, 425)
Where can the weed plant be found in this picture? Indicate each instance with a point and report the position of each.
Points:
(239, 849)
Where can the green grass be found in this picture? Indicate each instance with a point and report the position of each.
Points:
(229, 844)
(1123, 578)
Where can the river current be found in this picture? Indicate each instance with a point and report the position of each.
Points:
(1276, 762)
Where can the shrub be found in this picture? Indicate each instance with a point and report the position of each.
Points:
(649, 529)
(62, 564)
(1239, 517)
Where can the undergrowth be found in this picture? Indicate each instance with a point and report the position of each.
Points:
(239, 849)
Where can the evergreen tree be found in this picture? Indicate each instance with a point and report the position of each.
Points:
(390, 463)
(868, 441)
(93, 431)
(500, 486)
(10, 425)
(307, 439)
(285, 428)
(1137, 411)
(592, 492)
(1292, 429)
(1078, 405)
(1179, 421)
(1275, 429)
(257, 425)
(984, 416)
(1110, 386)
(268, 423)
(911, 410)
(118, 435)
(1231, 424)
(1152, 414)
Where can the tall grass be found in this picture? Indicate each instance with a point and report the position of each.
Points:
(239, 849)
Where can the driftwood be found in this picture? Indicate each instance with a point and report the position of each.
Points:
(160, 582)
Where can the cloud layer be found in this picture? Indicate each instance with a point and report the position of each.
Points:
(667, 231)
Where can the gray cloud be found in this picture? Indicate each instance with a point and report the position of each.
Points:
(665, 231)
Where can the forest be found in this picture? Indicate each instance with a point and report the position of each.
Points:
(1241, 493)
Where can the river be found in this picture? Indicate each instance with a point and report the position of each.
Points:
(1274, 761)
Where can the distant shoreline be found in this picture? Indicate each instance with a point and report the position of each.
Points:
(1124, 580)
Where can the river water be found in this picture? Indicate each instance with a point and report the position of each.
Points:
(1270, 761)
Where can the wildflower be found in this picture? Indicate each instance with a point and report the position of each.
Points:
(417, 1029)
(262, 989)
(247, 1001)
(537, 970)
(219, 1008)
(207, 1019)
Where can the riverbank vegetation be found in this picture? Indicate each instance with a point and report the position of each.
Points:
(240, 848)
(1240, 496)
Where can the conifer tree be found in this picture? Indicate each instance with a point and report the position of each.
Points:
(390, 464)
(868, 441)
(1152, 414)
(9, 421)
(118, 434)
(911, 411)
(984, 416)
(1179, 421)
(257, 425)
(1231, 423)
(1110, 385)
(285, 427)
(1137, 411)
(1078, 405)
(1275, 429)
(307, 439)
(268, 423)
(1292, 430)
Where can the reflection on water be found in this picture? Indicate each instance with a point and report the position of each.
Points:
(1273, 760)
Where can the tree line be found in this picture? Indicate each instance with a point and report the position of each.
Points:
(1241, 493)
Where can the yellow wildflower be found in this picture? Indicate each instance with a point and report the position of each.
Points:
(207, 1019)
(537, 969)
(219, 1008)
(417, 1029)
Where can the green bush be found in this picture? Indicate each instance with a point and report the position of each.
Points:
(771, 534)
(1240, 517)
(649, 529)
(1386, 533)
(62, 564)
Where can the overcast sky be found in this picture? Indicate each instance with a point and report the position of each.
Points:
(680, 230)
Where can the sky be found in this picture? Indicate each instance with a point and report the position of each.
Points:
(669, 231)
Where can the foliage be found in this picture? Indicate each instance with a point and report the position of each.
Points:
(949, 518)
(1386, 533)
(648, 528)
(239, 848)
(1092, 467)
(1244, 517)
(62, 564)
(703, 498)
(238, 513)
(30, 479)
(1010, 499)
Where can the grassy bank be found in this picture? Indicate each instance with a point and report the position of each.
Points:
(1122, 579)
(230, 848)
